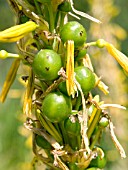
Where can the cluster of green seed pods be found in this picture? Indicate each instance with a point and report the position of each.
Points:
(64, 115)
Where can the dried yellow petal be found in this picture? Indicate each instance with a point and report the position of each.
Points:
(17, 32)
(103, 87)
(9, 79)
(70, 68)
(27, 105)
(120, 57)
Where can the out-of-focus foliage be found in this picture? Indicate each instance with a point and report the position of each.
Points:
(14, 149)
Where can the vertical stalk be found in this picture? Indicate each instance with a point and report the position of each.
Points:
(94, 123)
(92, 116)
(57, 128)
(95, 138)
(53, 129)
(78, 102)
(79, 141)
(48, 128)
(62, 14)
(51, 17)
(37, 7)
(64, 134)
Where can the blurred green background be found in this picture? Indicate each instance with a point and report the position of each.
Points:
(15, 152)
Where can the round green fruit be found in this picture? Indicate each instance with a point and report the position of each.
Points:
(56, 107)
(85, 78)
(46, 64)
(73, 31)
(103, 122)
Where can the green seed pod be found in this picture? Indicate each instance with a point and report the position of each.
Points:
(65, 6)
(81, 54)
(103, 122)
(74, 31)
(42, 142)
(62, 88)
(72, 125)
(98, 162)
(56, 107)
(46, 64)
(85, 78)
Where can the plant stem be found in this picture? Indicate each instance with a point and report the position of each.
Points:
(53, 129)
(95, 138)
(37, 7)
(86, 45)
(62, 14)
(46, 126)
(52, 87)
(94, 123)
(64, 134)
(78, 102)
(45, 161)
(57, 128)
(51, 17)
(92, 116)
(79, 141)
(57, 18)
